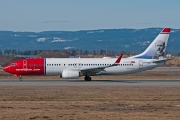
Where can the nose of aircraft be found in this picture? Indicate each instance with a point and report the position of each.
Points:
(6, 68)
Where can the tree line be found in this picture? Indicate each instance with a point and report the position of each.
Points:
(13, 52)
(74, 52)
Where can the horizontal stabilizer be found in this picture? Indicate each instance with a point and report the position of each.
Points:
(162, 60)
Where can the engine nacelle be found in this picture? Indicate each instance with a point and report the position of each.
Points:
(68, 74)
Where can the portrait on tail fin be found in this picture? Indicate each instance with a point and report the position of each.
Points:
(160, 48)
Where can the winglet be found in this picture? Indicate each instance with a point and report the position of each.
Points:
(119, 59)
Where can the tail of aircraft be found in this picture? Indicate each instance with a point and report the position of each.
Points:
(157, 48)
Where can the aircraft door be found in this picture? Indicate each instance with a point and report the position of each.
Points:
(140, 64)
(24, 64)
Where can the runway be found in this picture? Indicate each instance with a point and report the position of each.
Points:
(90, 83)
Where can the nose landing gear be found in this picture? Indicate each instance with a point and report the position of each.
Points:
(20, 78)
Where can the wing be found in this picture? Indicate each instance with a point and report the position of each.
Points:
(95, 70)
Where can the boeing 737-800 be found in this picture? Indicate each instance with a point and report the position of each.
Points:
(75, 67)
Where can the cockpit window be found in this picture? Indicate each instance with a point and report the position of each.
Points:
(13, 64)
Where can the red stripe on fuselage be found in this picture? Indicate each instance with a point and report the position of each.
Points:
(31, 66)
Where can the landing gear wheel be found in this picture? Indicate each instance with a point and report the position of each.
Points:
(87, 78)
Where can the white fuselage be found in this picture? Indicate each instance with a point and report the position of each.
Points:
(55, 66)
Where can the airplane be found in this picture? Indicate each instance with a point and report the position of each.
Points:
(73, 68)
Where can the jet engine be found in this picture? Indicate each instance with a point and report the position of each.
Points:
(68, 74)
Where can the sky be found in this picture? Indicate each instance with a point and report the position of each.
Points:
(74, 15)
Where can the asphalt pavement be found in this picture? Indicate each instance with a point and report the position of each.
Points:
(89, 83)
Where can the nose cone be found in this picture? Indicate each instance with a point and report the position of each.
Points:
(7, 69)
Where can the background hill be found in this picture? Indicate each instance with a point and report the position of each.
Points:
(105, 39)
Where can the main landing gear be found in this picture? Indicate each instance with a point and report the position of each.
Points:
(87, 78)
